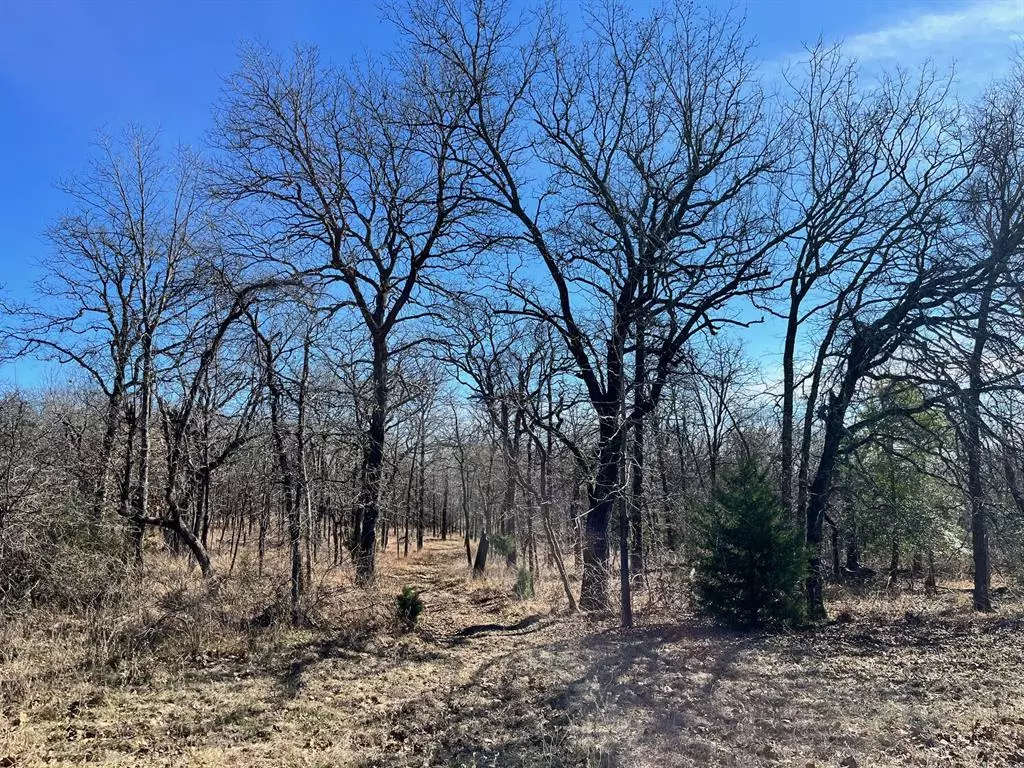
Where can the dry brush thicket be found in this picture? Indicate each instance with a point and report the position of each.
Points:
(497, 316)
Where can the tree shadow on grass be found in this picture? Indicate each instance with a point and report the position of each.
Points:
(499, 719)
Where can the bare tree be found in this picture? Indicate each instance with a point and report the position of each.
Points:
(873, 174)
(979, 359)
(355, 170)
(625, 164)
(119, 272)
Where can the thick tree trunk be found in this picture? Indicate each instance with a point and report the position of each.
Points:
(852, 555)
(917, 564)
(480, 563)
(857, 363)
(601, 498)
(817, 502)
(373, 460)
(979, 521)
(930, 580)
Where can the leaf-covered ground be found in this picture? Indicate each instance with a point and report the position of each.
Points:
(491, 681)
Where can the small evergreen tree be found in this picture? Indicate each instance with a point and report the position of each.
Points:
(408, 607)
(753, 571)
(524, 583)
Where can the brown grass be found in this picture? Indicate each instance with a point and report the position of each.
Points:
(173, 673)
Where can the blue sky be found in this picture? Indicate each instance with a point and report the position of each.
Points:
(71, 69)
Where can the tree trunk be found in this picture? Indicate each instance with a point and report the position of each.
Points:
(636, 496)
(422, 487)
(111, 425)
(788, 407)
(557, 555)
(625, 592)
(303, 498)
(973, 449)
(667, 515)
(858, 362)
(894, 562)
(291, 508)
(195, 546)
(601, 497)
(444, 510)
(480, 563)
(816, 504)
(373, 460)
(464, 481)
(837, 569)
(141, 510)
(930, 581)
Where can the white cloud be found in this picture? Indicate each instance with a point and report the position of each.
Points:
(978, 35)
(974, 39)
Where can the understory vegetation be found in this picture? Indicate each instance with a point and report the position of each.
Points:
(182, 673)
(755, 567)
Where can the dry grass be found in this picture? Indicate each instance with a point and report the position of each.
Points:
(175, 675)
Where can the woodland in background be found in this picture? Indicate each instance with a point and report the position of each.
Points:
(536, 287)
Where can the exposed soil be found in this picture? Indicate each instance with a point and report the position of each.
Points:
(490, 681)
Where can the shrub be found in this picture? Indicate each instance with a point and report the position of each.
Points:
(753, 571)
(504, 544)
(524, 583)
(63, 567)
(409, 606)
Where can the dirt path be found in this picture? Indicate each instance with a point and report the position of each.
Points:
(490, 681)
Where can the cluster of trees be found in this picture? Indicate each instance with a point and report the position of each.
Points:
(505, 285)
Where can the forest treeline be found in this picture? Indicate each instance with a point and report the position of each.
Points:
(538, 286)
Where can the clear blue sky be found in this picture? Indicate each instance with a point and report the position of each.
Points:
(70, 69)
